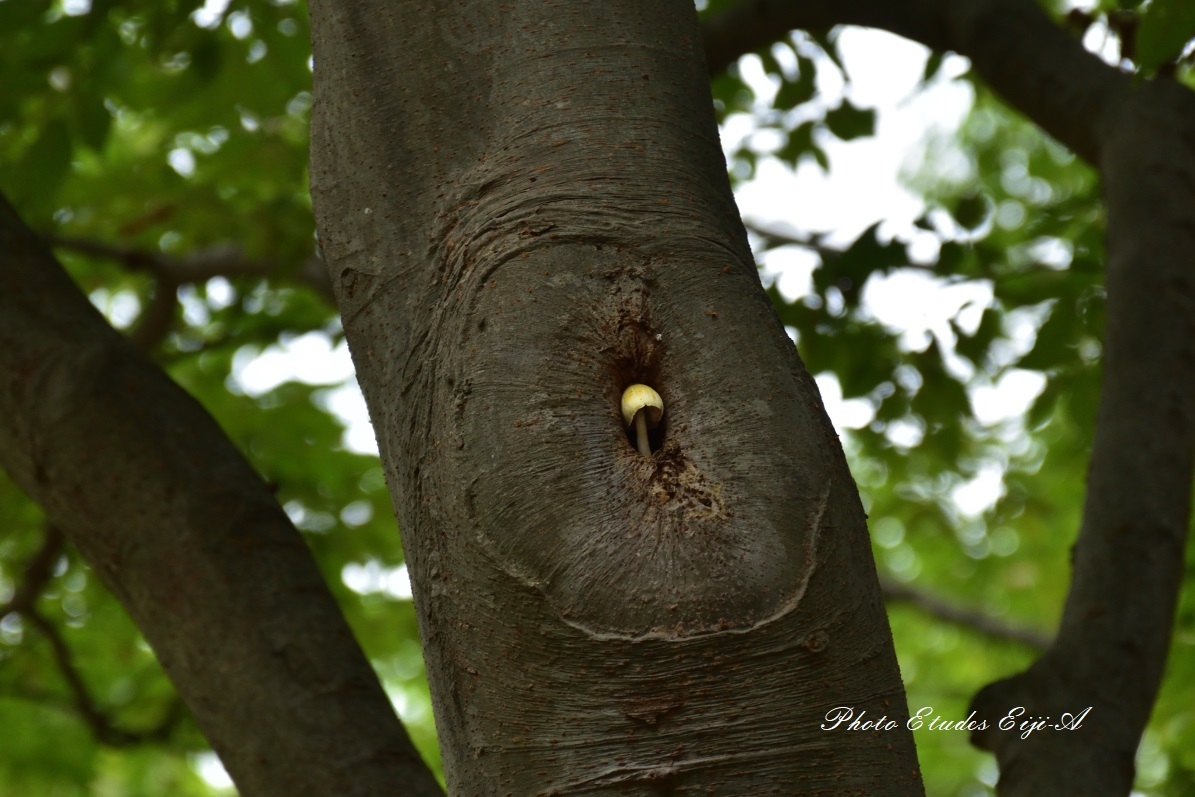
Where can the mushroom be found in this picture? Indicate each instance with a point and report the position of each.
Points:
(642, 408)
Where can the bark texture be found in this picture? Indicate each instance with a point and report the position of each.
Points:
(1111, 646)
(524, 209)
(192, 542)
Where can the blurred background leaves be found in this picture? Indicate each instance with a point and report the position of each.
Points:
(162, 148)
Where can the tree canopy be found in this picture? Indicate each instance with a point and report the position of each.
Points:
(162, 150)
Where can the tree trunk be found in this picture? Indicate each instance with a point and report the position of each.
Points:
(192, 543)
(524, 210)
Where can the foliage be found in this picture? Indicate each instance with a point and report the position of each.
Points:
(1022, 224)
(132, 125)
(162, 131)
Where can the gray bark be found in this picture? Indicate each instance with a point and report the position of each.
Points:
(192, 542)
(1112, 643)
(524, 209)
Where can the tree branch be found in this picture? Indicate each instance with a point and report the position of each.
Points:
(773, 238)
(1035, 65)
(750, 25)
(105, 730)
(972, 619)
(192, 542)
(37, 574)
(157, 320)
(813, 242)
(222, 260)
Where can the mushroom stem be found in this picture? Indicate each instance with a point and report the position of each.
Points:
(641, 408)
(641, 433)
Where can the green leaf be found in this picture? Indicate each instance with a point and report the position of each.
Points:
(799, 144)
(93, 122)
(1165, 28)
(848, 122)
(953, 257)
(714, 7)
(41, 171)
(932, 65)
(731, 94)
(1055, 344)
(795, 92)
(770, 64)
(975, 347)
(972, 210)
(859, 261)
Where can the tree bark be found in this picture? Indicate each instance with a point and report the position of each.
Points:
(192, 542)
(1115, 633)
(524, 209)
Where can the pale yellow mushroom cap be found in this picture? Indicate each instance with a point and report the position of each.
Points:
(637, 397)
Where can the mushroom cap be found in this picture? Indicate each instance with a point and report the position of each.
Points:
(642, 397)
